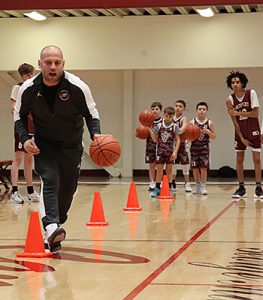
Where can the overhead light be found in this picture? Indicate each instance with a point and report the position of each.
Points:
(205, 12)
(35, 16)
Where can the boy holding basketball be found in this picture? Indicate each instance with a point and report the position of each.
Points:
(183, 153)
(243, 108)
(200, 148)
(150, 152)
(166, 134)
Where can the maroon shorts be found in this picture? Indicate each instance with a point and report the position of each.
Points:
(18, 145)
(182, 155)
(163, 157)
(255, 143)
(150, 157)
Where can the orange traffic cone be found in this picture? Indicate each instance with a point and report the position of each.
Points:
(97, 215)
(165, 191)
(34, 241)
(132, 202)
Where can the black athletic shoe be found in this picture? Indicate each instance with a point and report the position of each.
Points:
(258, 192)
(54, 248)
(174, 186)
(54, 241)
(240, 193)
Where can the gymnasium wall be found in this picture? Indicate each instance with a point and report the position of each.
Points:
(130, 62)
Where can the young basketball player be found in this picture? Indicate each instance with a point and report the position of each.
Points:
(25, 71)
(183, 153)
(200, 148)
(150, 153)
(166, 134)
(243, 108)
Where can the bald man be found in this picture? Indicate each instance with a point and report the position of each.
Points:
(59, 102)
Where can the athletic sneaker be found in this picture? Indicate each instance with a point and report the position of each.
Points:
(240, 193)
(16, 198)
(156, 192)
(55, 235)
(34, 197)
(187, 187)
(258, 192)
(174, 186)
(54, 248)
(151, 186)
(197, 189)
(203, 190)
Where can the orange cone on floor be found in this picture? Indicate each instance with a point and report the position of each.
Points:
(97, 214)
(34, 246)
(132, 202)
(165, 190)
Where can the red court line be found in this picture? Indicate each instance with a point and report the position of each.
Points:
(172, 258)
(207, 284)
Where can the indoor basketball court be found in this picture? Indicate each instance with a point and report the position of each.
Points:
(192, 247)
(121, 243)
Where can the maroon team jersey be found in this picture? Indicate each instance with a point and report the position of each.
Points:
(150, 153)
(249, 126)
(200, 148)
(165, 142)
(182, 155)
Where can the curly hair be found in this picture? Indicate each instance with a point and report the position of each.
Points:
(236, 74)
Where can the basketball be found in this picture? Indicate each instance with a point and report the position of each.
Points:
(142, 132)
(105, 150)
(146, 118)
(192, 132)
(182, 137)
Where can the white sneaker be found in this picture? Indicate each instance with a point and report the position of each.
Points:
(203, 190)
(16, 198)
(55, 235)
(197, 190)
(187, 187)
(151, 186)
(34, 197)
(50, 229)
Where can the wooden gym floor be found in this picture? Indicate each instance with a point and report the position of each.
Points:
(194, 247)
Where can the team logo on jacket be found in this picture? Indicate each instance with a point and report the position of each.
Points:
(64, 95)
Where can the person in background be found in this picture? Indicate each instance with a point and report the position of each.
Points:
(166, 134)
(200, 150)
(183, 152)
(243, 108)
(150, 151)
(26, 71)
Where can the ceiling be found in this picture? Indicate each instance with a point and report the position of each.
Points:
(128, 8)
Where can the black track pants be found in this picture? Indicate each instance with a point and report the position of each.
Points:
(58, 169)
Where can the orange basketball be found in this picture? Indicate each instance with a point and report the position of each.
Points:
(105, 150)
(142, 132)
(183, 137)
(192, 132)
(146, 118)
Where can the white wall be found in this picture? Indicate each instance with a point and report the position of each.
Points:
(141, 59)
(138, 42)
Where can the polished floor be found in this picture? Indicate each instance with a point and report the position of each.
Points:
(193, 247)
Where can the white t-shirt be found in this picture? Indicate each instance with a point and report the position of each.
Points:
(14, 92)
